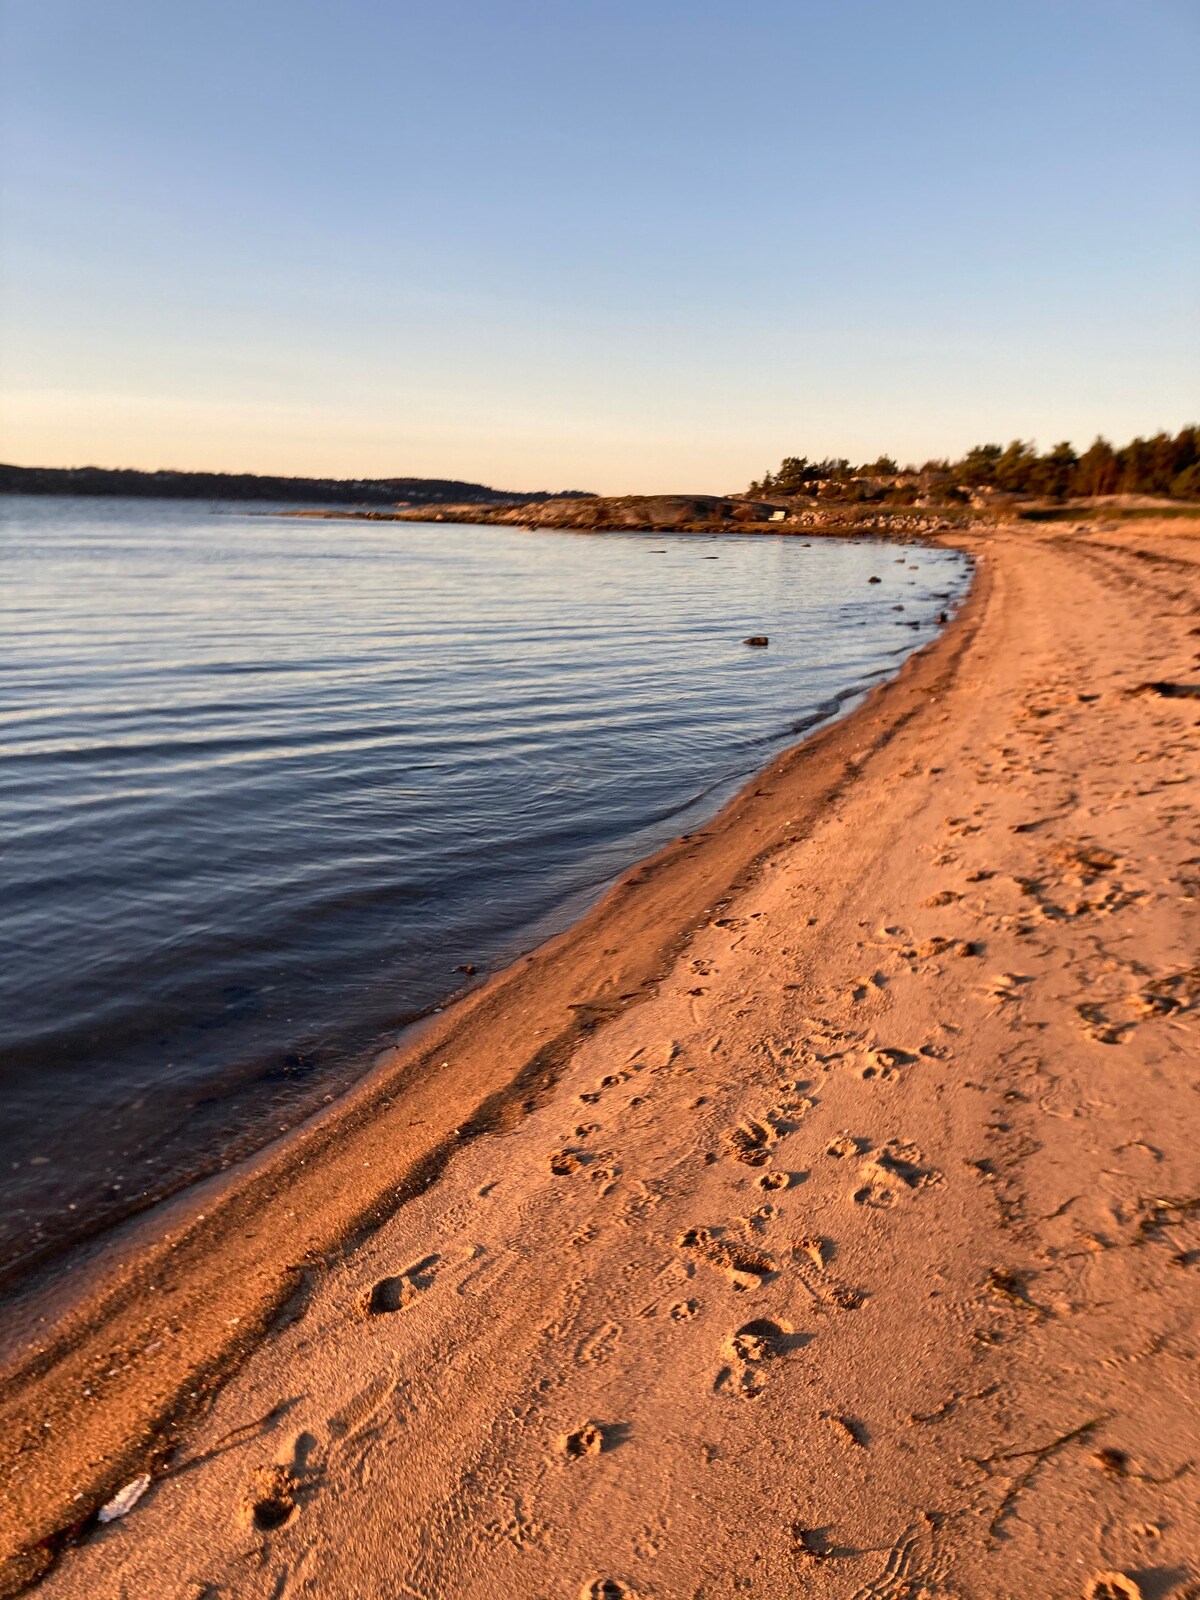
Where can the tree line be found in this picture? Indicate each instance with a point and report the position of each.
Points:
(253, 486)
(1164, 464)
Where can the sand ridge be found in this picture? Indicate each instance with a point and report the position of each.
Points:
(855, 1255)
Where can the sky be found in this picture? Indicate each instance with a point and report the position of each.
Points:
(616, 245)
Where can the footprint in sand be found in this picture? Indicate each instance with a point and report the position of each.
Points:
(611, 1080)
(1006, 986)
(1082, 861)
(844, 1297)
(273, 1502)
(845, 1145)
(759, 1221)
(785, 1117)
(889, 1171)
(1096, 1024)
(605, 1177)
(814, 1248)
(774, 1180)
(868, 987)
(1111, 1586)
(1174, 992)
(745, 1268)
(645, 1199)
(797, 1086)
(749, 1142)
(820, 1252)
(587, 1440)
(748, 1352)
(393, 1294)
(599, 1345)
(886, 1063)
(759, 1340)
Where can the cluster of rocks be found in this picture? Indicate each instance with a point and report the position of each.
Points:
(851, 520)
(661, 512)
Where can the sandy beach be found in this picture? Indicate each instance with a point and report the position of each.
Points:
(821, 1214)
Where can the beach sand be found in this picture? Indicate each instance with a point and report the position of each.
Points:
(832, 1229)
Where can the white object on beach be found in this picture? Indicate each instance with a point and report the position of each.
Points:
(124, 1500)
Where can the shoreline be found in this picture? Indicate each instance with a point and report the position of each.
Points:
(888, 525)
(100, 1307)
(950, 880)
(222, 1110)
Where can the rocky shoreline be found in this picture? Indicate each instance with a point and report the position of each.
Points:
(687, 514)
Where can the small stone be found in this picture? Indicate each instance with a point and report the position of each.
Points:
(124, 1500)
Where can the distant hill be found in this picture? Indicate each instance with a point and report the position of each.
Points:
(250, 486)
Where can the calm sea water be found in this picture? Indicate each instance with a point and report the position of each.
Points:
(266, 785)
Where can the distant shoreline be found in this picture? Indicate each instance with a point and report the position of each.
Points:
(129, 483)
(676, 514)
(714, 514)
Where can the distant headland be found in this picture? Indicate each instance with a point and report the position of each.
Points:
(253, 486)
(1152, 478)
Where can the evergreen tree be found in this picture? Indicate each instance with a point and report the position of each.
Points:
(977, 469)
(1053, 474)
(1097, 471)
(1016, 469)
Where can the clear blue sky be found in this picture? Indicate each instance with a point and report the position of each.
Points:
(613, 244)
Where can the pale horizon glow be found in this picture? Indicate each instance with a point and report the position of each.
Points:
(619, 247)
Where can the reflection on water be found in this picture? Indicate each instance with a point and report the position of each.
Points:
(267, 785)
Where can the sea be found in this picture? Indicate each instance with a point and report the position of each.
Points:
(273, 787)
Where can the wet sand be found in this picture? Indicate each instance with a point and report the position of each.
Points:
(820, 1213)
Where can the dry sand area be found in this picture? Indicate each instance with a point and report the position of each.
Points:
(845, 1244)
